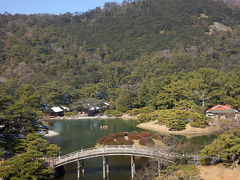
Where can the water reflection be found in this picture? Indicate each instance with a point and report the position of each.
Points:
(77, 134)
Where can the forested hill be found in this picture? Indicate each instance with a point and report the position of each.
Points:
(102, 52)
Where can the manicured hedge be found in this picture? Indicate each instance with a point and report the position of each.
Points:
(129, 142)
(120, 141)
(107, 140)
(145, 139)
(145, 134)
(134, 136)
(101, 140)
(121, 134)
(112, 143)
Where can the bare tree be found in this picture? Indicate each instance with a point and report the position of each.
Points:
(202, 96)
(148, 172)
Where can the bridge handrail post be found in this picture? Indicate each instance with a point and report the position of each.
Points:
(59, 156)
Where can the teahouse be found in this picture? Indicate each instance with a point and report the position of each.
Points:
(222, 112)
(54, 112)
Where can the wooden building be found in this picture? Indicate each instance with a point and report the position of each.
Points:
(222, 112)
(54, 112)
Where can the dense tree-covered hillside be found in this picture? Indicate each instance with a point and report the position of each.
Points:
(147, 57)
(142, 48)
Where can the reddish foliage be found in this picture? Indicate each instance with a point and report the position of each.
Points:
(134, 136)
(128, 142)
(101, 140)
(120, 141)
(112, 136)
(107, 140)
(113, 143)
(118, 138)
(121, 134)
(144, 134)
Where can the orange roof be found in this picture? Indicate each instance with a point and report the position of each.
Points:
(220, 108)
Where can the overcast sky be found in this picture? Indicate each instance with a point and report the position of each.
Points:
(50, 6)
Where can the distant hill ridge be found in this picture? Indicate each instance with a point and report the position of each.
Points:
(114, 42)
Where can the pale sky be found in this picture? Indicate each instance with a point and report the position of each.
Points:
(50, 6)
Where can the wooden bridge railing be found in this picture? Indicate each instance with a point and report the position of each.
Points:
(115, 150)
(160, 155)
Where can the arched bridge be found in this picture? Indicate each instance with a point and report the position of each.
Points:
(158, 154)
(141, 151)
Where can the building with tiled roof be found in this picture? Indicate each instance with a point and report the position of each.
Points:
(54, 112)
(222, 111)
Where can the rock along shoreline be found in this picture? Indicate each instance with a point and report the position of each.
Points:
(51, 133)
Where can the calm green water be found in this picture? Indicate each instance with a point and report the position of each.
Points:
(77, 134)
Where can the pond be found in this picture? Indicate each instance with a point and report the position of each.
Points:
(77, 134)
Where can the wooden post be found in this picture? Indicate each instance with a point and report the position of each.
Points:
(78, 169)
(59, 156)
(107, 166)
(82, 166)
(132, 166)
(104, 167)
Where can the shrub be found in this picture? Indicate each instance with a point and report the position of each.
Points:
(112, 136)
(147, 109)
(107, 140)
(157, 136)
(39, 113)
(225, 147)
(70, 113)
(143, 117)
(144, 134)
(117, 113)
(205, 161)
(133, 112)
(112, 143)
(133, 136)
(182, 160)
(168, 140)
(125, 142)
(120, 141)
(109, 113)
(176, 125)
(199, 120)
(147, 142)
(180, 172)
(121, 134)
(128, 142)
(100, 140)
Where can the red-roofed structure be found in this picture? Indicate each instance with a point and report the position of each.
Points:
(222, 111)
(220, 108)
